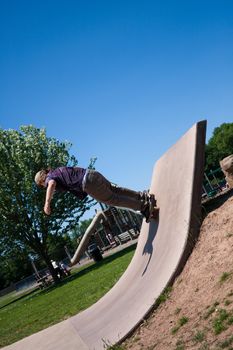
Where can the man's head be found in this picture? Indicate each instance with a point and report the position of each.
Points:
(41, 177)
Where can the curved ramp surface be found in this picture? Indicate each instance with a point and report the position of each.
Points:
(162, 250)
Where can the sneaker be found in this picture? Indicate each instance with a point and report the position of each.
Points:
(144, 196)
(150, 211)
(152, 199)
(146, 212)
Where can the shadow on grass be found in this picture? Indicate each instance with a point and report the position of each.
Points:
(25, 295)
(84, 270)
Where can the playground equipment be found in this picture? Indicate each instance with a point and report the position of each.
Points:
(86, 237)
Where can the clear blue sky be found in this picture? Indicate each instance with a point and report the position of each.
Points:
(121, 80)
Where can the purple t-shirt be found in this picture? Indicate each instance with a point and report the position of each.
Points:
(68, 179)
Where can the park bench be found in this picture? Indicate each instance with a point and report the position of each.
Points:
(43, 282)
(123, 237)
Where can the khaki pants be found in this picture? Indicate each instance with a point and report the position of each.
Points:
(98, 187)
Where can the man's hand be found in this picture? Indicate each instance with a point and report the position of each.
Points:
(47, 209)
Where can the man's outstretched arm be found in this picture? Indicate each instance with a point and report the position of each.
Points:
(49, 195)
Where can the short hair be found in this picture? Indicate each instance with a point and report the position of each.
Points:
(40, 176)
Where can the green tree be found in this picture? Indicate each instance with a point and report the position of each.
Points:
(14, 265)
(22, 221)
(78, 231)
(220, 145)
(56, 246)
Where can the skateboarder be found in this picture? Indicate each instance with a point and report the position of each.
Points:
(82, 182)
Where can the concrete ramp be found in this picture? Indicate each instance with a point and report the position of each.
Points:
(162, 250)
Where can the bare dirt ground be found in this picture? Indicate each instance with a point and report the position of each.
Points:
(197, 313)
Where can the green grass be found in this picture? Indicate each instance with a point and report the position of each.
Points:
(225, 276)
(7, 299)
(177, 310)
(13, 296)
(180, 345)
(164, 296)
(40, 309)
(227, 302)
(108, 346)
(211, 310)
(226, 343)
(199, 337)
(182, 321)
(218, 322)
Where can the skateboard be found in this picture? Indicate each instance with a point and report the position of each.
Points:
(154, 210)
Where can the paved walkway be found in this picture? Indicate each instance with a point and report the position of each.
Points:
(108, 252)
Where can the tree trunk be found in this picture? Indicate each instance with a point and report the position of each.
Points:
(43, 254)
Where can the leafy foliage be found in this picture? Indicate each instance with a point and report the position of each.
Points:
(79, 230)
(220, 145)
(22, 221)
(14, 265)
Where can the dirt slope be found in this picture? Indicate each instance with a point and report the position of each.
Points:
(198, 312)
